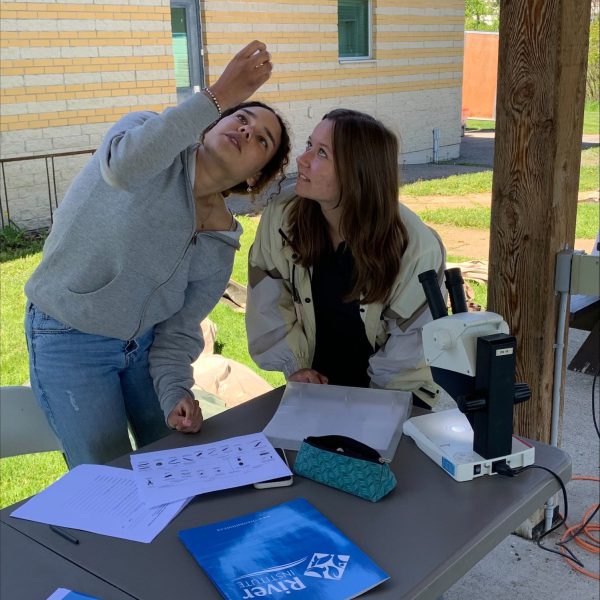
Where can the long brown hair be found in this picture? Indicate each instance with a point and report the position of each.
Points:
(366, 164)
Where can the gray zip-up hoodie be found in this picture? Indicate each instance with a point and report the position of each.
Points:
(123, 254)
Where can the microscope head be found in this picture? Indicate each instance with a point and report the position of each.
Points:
(472, 357)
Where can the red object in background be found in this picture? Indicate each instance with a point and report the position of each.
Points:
(480, 74)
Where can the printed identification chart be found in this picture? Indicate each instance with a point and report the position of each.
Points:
(178, 473)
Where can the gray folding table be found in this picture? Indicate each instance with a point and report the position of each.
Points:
(31, 571)
(426, 534)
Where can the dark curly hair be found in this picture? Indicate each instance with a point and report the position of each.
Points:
(278, 161)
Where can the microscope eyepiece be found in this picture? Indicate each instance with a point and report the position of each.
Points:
(433, 294)
(456, 290)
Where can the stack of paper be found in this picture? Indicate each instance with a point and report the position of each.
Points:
(137, 505)
(102, 500)
(169, 475)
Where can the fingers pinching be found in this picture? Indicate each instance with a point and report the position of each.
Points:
(252, 48)
(249, 69)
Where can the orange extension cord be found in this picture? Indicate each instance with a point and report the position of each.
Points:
(580, 540)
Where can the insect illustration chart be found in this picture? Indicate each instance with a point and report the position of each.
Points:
(178, 473)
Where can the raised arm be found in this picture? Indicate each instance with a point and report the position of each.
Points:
(143, 144)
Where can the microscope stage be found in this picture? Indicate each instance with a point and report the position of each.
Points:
(447, 438)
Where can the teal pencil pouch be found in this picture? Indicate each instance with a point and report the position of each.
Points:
(345, 464)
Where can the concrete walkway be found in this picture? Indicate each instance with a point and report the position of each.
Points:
(476, 155)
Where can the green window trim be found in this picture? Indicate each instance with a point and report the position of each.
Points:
(354, 29)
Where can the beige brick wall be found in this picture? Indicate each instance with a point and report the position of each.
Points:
(412, 83)
(68, 64)
(69, 69)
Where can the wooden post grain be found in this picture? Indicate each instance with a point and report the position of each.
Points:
(539, 121)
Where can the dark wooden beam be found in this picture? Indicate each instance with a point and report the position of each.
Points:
(539, 121)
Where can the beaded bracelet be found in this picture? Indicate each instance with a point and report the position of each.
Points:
(214, 99)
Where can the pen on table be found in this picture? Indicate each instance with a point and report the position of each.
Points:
(64, 534)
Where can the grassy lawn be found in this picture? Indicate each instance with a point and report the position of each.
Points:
(590, 120)
(480, 124)
(23, 476)
(479, 218)
(455, 185)
(591, 158)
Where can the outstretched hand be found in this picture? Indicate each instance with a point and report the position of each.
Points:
(308, 376)
(246, 72)
(186, 416)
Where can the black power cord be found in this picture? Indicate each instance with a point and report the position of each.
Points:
(503, 469)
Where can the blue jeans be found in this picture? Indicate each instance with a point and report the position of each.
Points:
(90, 387)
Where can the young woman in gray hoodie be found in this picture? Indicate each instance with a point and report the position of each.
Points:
(140, 251)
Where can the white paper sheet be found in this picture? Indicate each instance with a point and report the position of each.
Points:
(373, 417)
(102, 500)
(167, 475)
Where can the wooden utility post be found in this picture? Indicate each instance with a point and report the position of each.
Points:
(539, 120)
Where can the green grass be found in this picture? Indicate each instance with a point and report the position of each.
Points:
(455, 185)
(240, 266)
(479, 218)
(588, 179)
(590, 120)
(591, 157)
(480, 124)
(231, 339)
(468, 218)
(23, 476)
(13, 275)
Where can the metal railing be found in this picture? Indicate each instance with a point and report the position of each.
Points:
(5, 218)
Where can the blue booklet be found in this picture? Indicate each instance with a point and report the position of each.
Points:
(65, 594)
(290, 550)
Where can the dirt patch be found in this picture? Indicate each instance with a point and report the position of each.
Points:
(419, 203)
(475, 243)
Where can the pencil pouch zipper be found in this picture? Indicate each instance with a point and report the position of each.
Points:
(345, 446)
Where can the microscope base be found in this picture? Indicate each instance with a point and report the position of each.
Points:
(447, 438)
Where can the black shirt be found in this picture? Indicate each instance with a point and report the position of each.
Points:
(342, 349)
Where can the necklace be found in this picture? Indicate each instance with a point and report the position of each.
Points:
(201, 220)
(204, 215)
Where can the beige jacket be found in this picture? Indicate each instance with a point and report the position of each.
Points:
(280, 318)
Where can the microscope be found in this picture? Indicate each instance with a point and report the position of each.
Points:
(473, 358)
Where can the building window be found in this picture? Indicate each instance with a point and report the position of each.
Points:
(354, 28)
(186, 36)
(179, 28)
